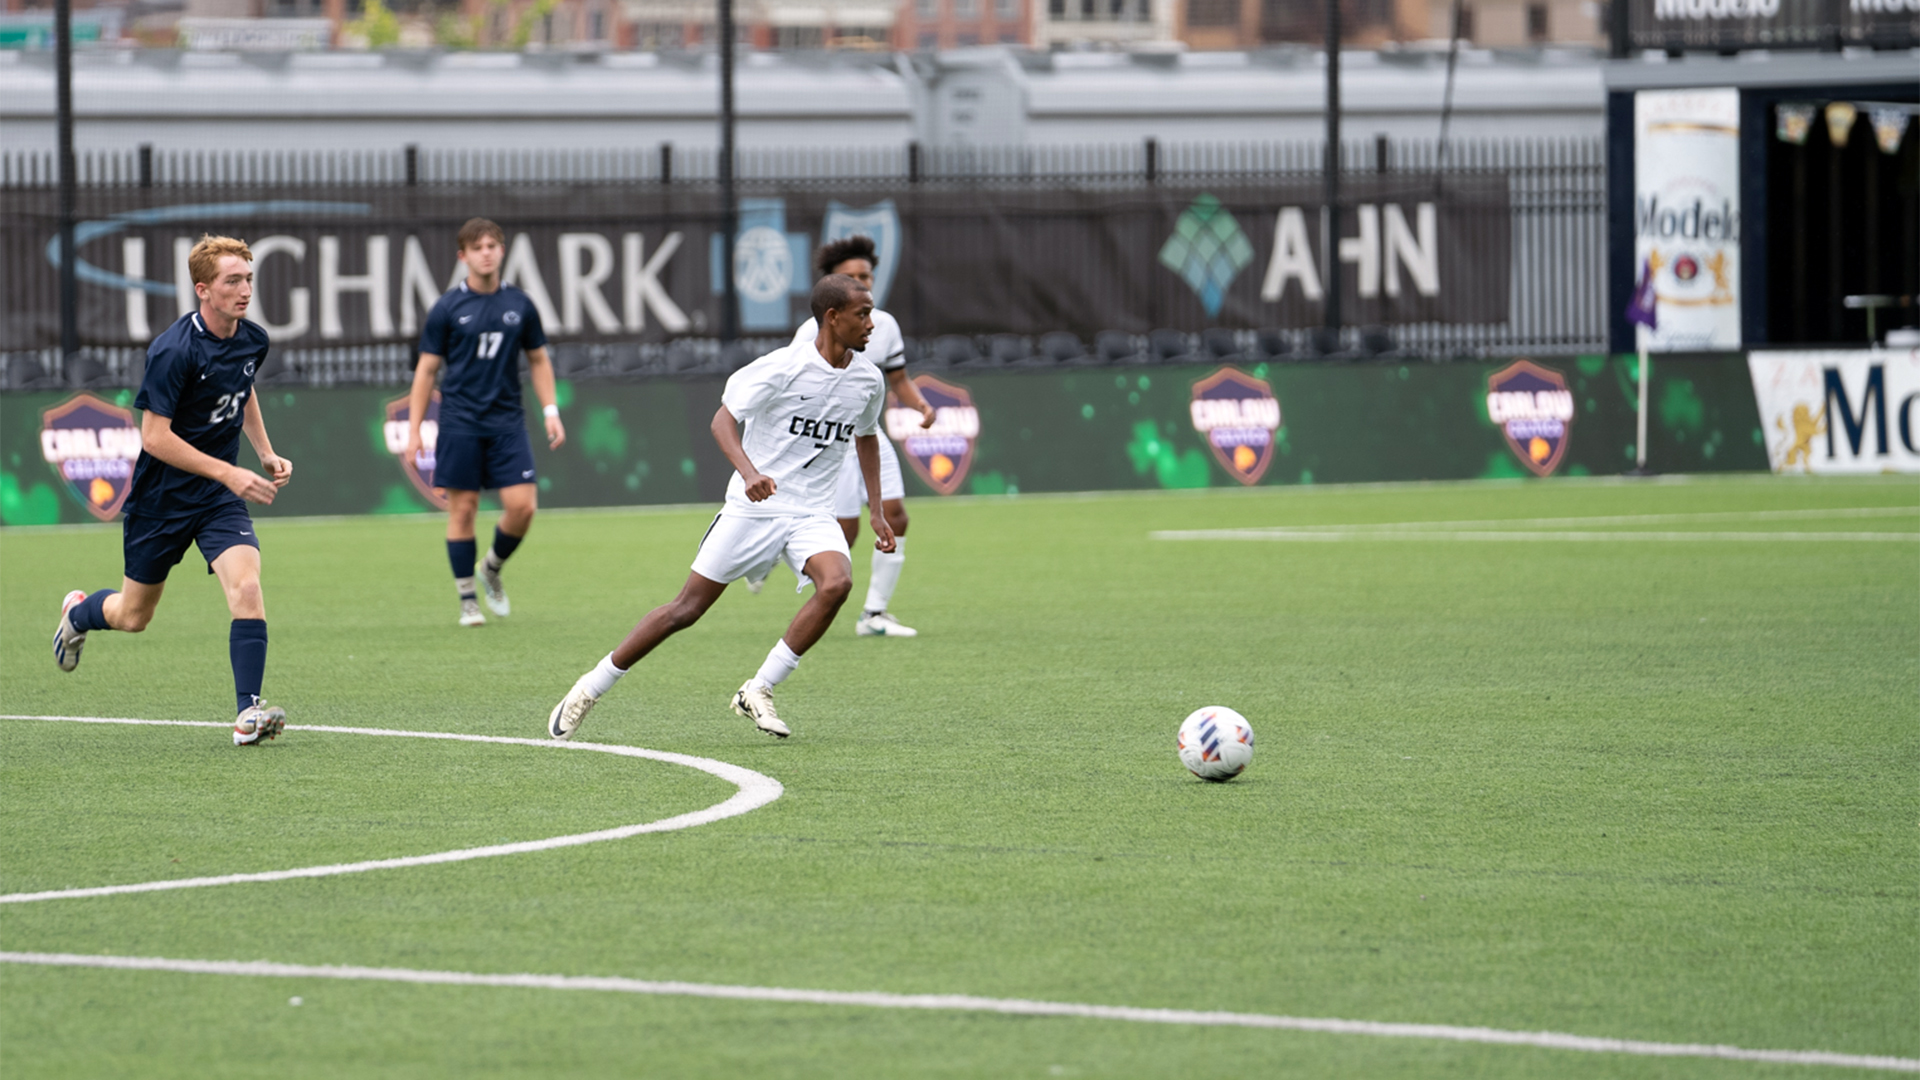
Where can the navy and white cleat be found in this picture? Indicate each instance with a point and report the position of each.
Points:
(496, 593)
(258, 723)
(756, 704)
(67, 641)
(566, 717)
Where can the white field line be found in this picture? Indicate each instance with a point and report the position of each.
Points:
(1402, 533)
(965, 1003)
(1511, 529)
(756, 790)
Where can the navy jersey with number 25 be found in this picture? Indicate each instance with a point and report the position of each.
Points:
(202, 383)
(479, 337)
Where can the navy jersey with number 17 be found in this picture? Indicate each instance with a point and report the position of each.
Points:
(202, 383)
(479, 337)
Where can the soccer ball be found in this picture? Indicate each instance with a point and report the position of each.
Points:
(1216, 743)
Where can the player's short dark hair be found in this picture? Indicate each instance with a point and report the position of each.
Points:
(835, 292)
(836, 252)
(476, 228)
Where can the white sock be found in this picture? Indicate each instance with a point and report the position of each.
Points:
(886, 574)
(780, 664)
(602, 677)
(465, 587)
(493, 561)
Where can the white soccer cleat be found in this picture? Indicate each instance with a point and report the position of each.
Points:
(258, 723)
(66, 640)
(470, 613)
(496, 592)
(756, 704)
(566, 716)
(754, 585)
(882, 624)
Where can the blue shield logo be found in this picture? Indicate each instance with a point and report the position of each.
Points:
(879, 223)
(770, 265)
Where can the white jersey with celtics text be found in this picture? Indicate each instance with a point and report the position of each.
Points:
(800, 417)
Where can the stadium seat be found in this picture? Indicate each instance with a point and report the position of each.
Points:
(84, 371)
(1220, 345)
(950, 350)
(1327, 344)
(1376, 341)
(574, 361)
(276, 370)
(1273, 344)
(1008, 349)
(1060, 347)
(1116, 347)
(685, 357)
(1167, 346)
(25, 373)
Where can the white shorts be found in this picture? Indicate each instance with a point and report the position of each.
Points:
(737, 545)
(850, 496)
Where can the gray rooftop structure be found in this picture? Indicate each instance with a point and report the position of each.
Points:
(635, 101)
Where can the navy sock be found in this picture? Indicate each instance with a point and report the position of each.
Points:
(503, 544)
(460, 554)
(247, 647)
(90, 614)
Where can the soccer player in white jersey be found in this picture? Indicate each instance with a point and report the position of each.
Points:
(802, 407)
(886, 350)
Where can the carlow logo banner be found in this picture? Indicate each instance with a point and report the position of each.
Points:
(92, 445)
(419, 470)
(940, 454)
(1238, 414)
(1534, 408)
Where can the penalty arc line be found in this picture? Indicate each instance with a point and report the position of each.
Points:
(756, 790)
(1549, 1040)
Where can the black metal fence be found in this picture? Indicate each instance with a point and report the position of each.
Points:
(1553, 232)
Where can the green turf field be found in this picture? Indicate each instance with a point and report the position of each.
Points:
(1659, 790)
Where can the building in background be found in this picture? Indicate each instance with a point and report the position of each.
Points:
(1504, 24)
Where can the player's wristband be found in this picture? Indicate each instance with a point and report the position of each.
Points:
(551, 412)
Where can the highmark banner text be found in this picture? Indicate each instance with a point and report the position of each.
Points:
(338, 266)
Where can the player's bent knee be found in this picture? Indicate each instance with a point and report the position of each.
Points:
(834, 590)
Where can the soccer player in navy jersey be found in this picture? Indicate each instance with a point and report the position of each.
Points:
(472, 340)
(197, 399)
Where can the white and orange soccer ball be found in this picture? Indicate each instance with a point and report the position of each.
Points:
(1216, 743)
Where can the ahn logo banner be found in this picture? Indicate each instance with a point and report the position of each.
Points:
(1534, 408)
(940, 454)
(1839, 412)
(420, 470)
(1238, 415)
(92, 444)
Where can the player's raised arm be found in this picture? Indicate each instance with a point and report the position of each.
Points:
(540, 370)
(255, 425)
(157, 438)
(726, 432)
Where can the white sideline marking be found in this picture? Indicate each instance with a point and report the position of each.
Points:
(1505, 529)
(756, 790)
(1403, 533)
(966, 1003)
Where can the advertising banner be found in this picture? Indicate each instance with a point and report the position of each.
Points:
(1686, 195)
(1839, 412)
(612, 264)
(1772, 24)
(1001, 433)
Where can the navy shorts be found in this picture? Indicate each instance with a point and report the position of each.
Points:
(482, 461)
(154, 546)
